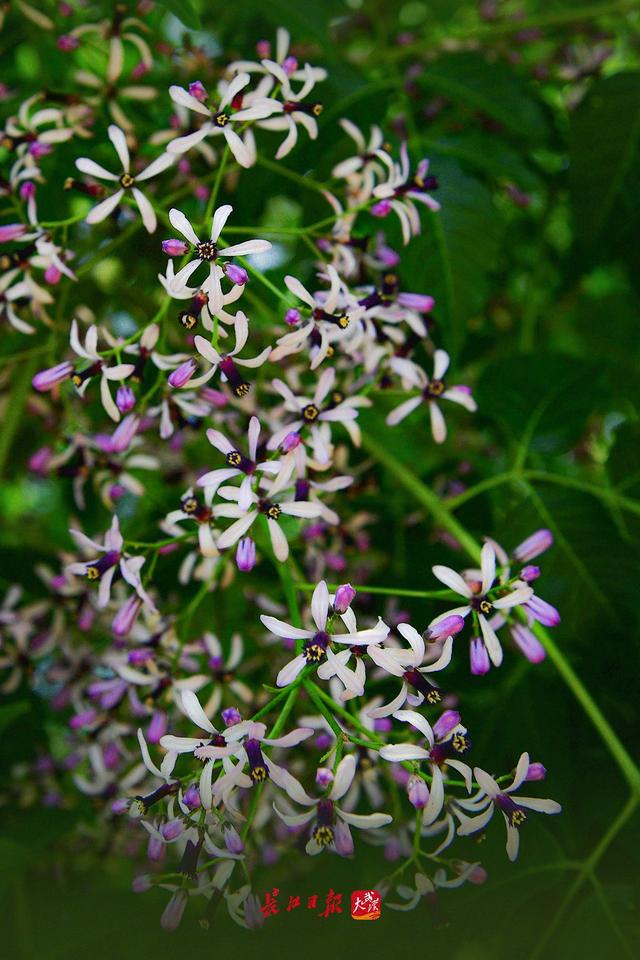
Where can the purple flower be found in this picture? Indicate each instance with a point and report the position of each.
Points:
(542, 611)
(125, 399)
(198, 90)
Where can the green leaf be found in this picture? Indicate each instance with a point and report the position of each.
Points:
(452, 257)
(491, 87)
(186, 11)
(604, 151)
(10, 712)
(543, 401)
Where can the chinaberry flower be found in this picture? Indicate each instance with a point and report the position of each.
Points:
(330, 823)
(295, 109)
(407, 664)
(316, 643)
(228, 363)
(126, 180)
(112, 558)
(401, 191)
(238, 465)
(89, 351)
(208, 252)
(431, 391)
(447, 742)
(513, 808)
(483, 598)
(221, 116)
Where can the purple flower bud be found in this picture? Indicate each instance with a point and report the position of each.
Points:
(478, 875)
(83, 719)
(142, 883)
(289, 65)
(215, 397)
(536, 771)
(345, 595)
(158, 727)
(119, 806)
(155, 849)
(231, 716)
(246, 555)
(39, 150)
(125, 399)
(416, 301)
(181, 376)
(27, 190)
(192, 796)
(382, 724)
(388, 256)
(447, 627)
(479, 658)
(11, 231)
(292, 316)
(126, 616)
(533, 546)
(233, 840)
(290, 442)
(530, 573)
(381, 209)
(140, 656)
(171, 830)
(39, 461)
(172, 914)
(67, 42)
(124, 434)
(174, 248)
(263, 49)
(343, 839)
(527, 642)
(198, 90)
(236, 274)
(542, 611)
(418, 792)
(324, 776)
(48, 379)
(445, 723)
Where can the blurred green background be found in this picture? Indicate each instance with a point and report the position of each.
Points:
(530, 113)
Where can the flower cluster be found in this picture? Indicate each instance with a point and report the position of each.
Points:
(231, 429)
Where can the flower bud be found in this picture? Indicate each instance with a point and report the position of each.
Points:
(67, 42)
(237, 275)
(12, 231)
(174, 248)
(443, 628)
(126, 616)
(533, 546)
(479, 658)
(530, 573)
(292, 317)
(233, 840)
(246, 555)
(158, 726)
(542, 611)
(345, 595)
(198, 90)
(141, 883)
(416, 301)
(172, 914)
(48, 379)
(536, 771)
(324, 776)
(418, 792)
(192, 796)
(171, 830)
(231, 716)
(381, 209)
(290, 442)
(125, 399)
(343, 839)
(181, 376)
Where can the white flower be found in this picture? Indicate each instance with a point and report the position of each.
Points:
(238, 464)
(317, 643)
(479, 603)
(407, 664)
(126, 180)
(113, 558)
(331, 826)
(295, 110)
(220, 118)
(431, 391)
(512, 808)
(228, 362)
(207, 252)
(89, 351)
